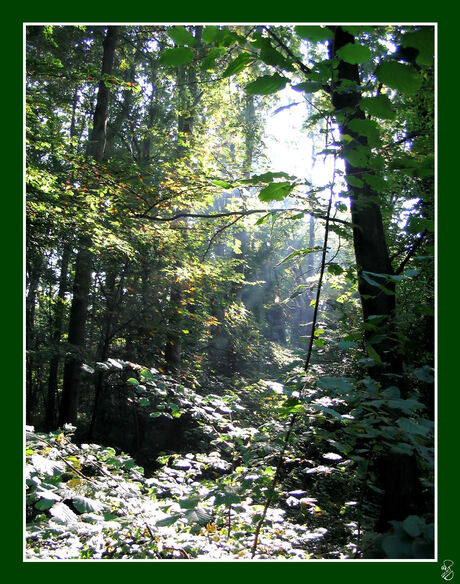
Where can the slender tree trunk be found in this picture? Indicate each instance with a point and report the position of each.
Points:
(82, 283)
(50, 405)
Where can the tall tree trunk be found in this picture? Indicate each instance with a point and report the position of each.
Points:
(82, 283)
(398, 473)
(50, 405)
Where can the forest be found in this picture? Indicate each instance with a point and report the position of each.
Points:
(229, 292)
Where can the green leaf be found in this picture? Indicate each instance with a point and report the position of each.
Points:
(276, 191)
(354, 53)
(189, 502)
(376, 182)
(373, 354)
(222, 183)
(341, 384)
(358, 29)
(166, 521)
(344, 345)
(334, 269)
(356, 155)
(413, 525)
(308, 86)
(367, 128)
(412, 427)
(379, 107)
(238, 64)
(354, 181)
(266, 177)
(266, 84)
(143, 401)
(181, 36)
(175, 57)
(399, 76)
(209, 62)
(425, 374)
(314, 33)
(132, 381)
(423, 40)
(228, 497)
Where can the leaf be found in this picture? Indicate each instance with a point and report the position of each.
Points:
(276, 191)
(356, 155)
(423, 40)
(344, 345)
(341, 384)
(46, 466)
(399, 76)
(143, 401)
(63, 513)
(175, 57)
(424, 374)
(266, 177)
(198, 515)
(334, 269)
(354, 53)
(373, 354)
(238, 64)
(354, 181)
(308, 86)
(132, 381)
(222, 183)
(379, 107)
(86, 505)
(181, 36)
(189, 502)
(228, 497)
(413, 525)
(166, 521)
(412, 427)
(314, 33)
(358, 29)
(376, 182)
(367, 128)
(266, 84)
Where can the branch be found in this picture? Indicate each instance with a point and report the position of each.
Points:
(411, 252)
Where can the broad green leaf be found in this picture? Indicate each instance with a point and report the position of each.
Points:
(379, 107)
(367, 128)
(266, 84)
(341, 384)
(308, 86)
(356, 155)
(44, 504)
(412, 427)
(181, 36)
(376, 182)
(314, 33)
(423, 40)
(399, 76)
(143, 401)
(189, 502)
(354, 53)
(47, 466)
(209, 62)
(238, 64)
(425, 374)
(132, 381)
(276, 191)
(300, 252)
(228, 497)
(397, 546)
(175, 57)
(354, 181)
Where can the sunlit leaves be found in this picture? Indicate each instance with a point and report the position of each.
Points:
(266, 84)
(367, 128)
(276, 191)
(399, 76)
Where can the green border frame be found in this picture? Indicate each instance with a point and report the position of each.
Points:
(12, 289)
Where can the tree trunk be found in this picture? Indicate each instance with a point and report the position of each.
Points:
(50, 405)
(398, 473)
(82, 283)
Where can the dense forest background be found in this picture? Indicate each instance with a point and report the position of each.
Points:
(225, 359)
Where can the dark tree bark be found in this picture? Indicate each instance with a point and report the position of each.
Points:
(50, 405)
(398, 473)
(82, 283)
